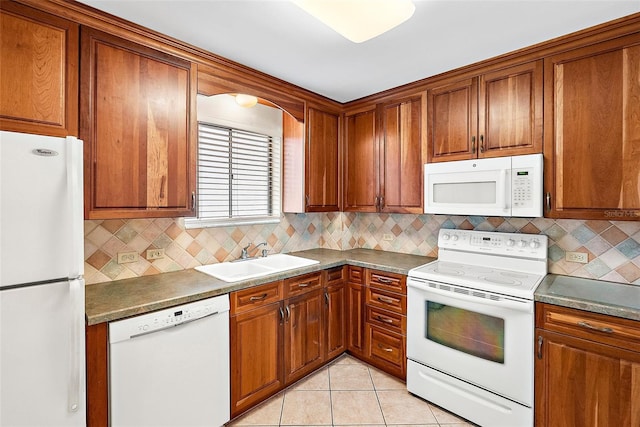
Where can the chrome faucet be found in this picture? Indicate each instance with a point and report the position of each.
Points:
(245, 251)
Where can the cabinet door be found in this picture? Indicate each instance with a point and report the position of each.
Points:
(137, 124)
(335, 309)
(361, 163)
(510, 111)
(256, 356)
(321, 160)
(355, 319)
(582, 383)
(38, 72)
(401, 157)
(592, 136)
(303, 333)
(452, 121)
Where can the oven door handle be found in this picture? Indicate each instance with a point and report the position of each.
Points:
(525, 306)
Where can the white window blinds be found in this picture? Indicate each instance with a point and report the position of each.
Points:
(238, 175)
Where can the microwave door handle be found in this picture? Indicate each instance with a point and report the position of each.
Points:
(502, 189)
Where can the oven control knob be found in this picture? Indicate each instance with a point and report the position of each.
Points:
(534, 244)
(522, 243)
(454, 238)
(511, 242)
(445, 237)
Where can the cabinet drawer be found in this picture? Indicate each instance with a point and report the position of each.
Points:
(356, 274)
(388, 320)
(258, 296)
(301, 284)
(389, 281)
(615, 331)
(386, 346)
(335, 276)
(387, 300)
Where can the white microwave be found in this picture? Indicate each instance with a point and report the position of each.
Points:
(500, 186)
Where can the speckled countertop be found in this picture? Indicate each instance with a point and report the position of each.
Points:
(105, 302)
(598, 296)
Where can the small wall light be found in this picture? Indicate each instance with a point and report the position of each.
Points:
(246, 100)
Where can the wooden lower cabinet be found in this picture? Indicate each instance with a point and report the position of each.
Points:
(282, 331)
(256, 356)
(582, 379)
(355, 315)
(386, 350)
(303, 331)
(335, 320)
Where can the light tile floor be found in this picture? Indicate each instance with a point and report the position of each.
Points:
(348, 392)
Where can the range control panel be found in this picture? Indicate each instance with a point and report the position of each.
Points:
(495, 243)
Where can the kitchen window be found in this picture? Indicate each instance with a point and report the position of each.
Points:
(238, 177)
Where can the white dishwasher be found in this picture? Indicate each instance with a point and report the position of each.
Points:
(171, 367)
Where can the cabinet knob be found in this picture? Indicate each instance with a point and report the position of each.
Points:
(482, 143)
(473, 145)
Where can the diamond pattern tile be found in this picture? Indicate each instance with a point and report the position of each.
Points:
(613, 246)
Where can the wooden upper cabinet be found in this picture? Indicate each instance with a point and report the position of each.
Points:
(498, 113)
(383, 158)
(401, 157)
(510, 111)
(311, 162)
(321, 159)
(138, 125)
(592, 131)
(452, 121)
(38, 72)
(361, 163)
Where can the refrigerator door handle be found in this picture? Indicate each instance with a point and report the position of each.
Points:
(75, 192)
(76, 367)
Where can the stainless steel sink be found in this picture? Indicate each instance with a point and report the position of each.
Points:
(254, 268)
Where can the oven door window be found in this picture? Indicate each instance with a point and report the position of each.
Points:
(473, 333)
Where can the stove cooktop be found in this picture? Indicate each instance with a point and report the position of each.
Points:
(506, 282)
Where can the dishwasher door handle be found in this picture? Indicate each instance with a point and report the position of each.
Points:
(186, 322)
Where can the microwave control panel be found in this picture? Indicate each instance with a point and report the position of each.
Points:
(522, 187)
(526, 185)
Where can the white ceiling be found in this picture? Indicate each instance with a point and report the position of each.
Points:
(280, 39)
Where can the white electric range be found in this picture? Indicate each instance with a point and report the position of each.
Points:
(470, 325)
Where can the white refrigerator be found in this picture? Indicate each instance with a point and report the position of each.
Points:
(42, 356)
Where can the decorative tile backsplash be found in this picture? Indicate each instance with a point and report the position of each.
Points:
(613, 247)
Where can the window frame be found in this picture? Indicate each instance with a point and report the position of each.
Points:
(274, 192)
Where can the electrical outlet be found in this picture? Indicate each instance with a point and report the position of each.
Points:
(155, 254)
(387, 237)
(126, 257)
(580, 257)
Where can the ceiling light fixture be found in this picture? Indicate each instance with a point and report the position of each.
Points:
(359, 20)
(246, 101)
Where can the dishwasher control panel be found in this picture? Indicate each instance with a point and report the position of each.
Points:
(167, 318)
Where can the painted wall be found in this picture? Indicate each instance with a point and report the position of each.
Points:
(613, 246)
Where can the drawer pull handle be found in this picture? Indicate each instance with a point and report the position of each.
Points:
(385, 300)
(303, 285)
(385, 319)
(384, 280)
(595, 328)
(383, 348)
(260, 298)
